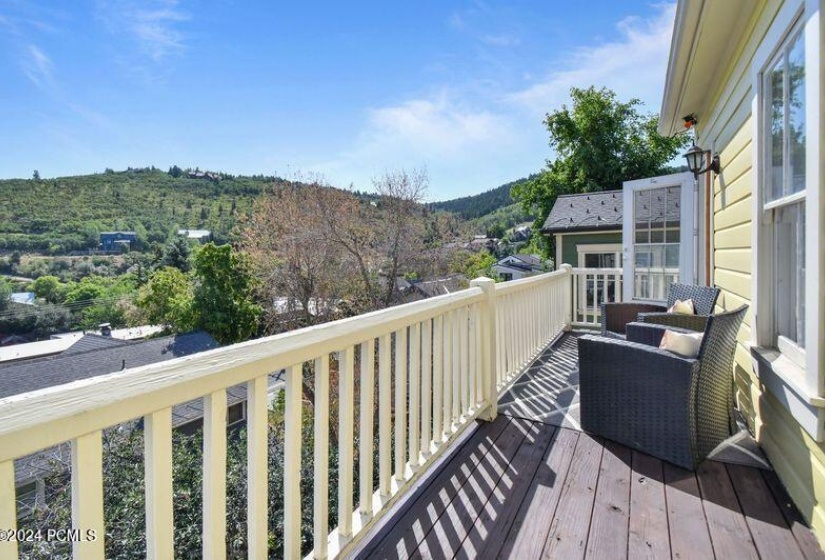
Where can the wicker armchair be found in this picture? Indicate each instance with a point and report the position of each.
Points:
(674, 408)
(615, 316)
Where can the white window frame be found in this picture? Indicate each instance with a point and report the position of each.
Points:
(799, 384)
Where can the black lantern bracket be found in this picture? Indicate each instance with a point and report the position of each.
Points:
(696, 156)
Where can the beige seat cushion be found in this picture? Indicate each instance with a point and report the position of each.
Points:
(683, 307)
(684, 344)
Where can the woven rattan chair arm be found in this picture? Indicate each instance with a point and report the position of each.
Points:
(616, 315)
(691, 322)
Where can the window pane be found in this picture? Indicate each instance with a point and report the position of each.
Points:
(775, 88)
(789, 272)
(657, 219)
(641, 214)
(796, 115)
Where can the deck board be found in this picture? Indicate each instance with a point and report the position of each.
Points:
(767, 525)
(526, 535)
(536, 486)
(728, 529)
(611, 510)
(688, 528)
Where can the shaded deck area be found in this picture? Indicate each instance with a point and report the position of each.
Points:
(531, 485)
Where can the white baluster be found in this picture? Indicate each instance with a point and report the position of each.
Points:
(8, 508)
(365, 438)
(158, 467)
(426, 386)
(438, 378)
(321, 458)
(346, 428)
(292, 462)
(384, 415)
(214, 475)
(400, 403)
(415, 394)
(257, 450)
(87, 496)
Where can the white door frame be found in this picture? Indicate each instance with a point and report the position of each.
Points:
(688, 226)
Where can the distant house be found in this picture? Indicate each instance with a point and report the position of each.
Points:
(515, 267)
(199, 235)
(587, 229)
(26, 298)
(415, 290)
(481, 242)
(92, 355)
(115, 241)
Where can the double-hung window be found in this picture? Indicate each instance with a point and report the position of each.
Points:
(784, 192)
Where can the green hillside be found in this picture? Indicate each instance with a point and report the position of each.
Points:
(475, 206)
(57, 216)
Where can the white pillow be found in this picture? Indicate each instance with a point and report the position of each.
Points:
(684, 344)
(683, 307)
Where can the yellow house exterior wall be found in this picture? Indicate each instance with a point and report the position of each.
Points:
(798, 459)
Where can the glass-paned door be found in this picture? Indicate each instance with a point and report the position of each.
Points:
(658, 235)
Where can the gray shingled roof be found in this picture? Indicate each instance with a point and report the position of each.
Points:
(585, 212)
(92, 342)
(603, 210)
(23, 377)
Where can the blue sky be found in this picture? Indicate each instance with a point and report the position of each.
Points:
(347, 90)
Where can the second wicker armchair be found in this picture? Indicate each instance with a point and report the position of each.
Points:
(615, 316)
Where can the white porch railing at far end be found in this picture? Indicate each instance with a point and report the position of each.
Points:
(427, 369)
(592, 287)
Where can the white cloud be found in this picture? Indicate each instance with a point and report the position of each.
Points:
(153, 24)
(37, 66)
(632, 66)
(470, 142)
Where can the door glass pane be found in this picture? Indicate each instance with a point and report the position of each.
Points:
(796, 115)
(657, 213)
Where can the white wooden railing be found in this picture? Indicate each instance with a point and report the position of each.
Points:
(441, 363)
(592, 287)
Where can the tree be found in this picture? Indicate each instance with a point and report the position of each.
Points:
(292, 259)
(167, 299)
(49, 288)
(401, 221)
(176, 254)
(599, 143)
(223, 302)
(36, 175)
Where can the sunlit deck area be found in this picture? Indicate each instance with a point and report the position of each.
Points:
(530, 484)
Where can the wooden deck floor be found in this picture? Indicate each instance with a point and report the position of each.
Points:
(524, 489)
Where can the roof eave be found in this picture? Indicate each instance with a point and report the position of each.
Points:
(705, 33)
(577, 229)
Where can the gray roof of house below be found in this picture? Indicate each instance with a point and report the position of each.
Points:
(23, 377)
(585, 212)
(90, 342)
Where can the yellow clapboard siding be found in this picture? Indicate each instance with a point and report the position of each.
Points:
(734, 167)
(797, 459)
(733, 214)
(737, 237)
(736, 282)
(734, 191)
(739, 260)
(736, 156)
(729, 301)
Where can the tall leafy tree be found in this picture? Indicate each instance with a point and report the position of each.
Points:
(599, 142)
(223, 301)
(167, 299)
